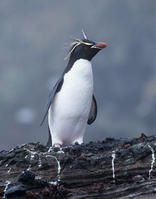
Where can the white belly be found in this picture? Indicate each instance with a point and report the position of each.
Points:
(69, 112)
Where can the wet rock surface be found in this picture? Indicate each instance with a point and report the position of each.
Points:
(123, 168)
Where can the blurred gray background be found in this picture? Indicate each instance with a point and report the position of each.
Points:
(34, 39)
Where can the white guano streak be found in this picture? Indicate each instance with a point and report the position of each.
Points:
(58, 167)
(113, 166)
(7, 182)
(32, 156)
(152, 161)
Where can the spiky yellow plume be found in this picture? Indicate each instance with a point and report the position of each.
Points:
(76, 43)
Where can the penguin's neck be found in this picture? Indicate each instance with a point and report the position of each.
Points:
(72, 61)
(82, 68)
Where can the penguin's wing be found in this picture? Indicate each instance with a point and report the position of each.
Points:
(93, 111)
(52, 94)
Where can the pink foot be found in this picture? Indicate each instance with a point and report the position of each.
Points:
(57, 145)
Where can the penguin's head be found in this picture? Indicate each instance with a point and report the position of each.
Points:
(85, 49)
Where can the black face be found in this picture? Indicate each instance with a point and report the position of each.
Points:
(85, 49)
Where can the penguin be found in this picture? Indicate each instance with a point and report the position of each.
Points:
(72, 104)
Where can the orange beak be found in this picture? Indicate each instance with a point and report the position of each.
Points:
(100, 45)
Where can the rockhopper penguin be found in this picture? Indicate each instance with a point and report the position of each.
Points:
(72, 104)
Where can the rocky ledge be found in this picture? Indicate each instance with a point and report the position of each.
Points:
(112, 168)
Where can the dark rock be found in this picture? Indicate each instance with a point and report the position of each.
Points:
(18, 189)
(27, 177)
(80, 171)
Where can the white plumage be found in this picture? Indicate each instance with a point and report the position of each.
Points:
(68, 114)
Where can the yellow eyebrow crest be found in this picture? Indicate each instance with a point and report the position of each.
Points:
(70, 52)
(86, 43)
(75, 44)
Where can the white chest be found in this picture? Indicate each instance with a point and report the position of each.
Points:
(80, 77)
(69, 112)
(76, 93)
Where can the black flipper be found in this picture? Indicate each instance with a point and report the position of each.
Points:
(49, 143)
(56, 89)
(52, 94)
(93, 111)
